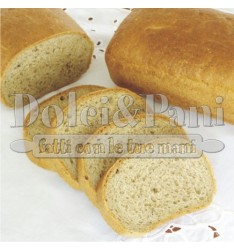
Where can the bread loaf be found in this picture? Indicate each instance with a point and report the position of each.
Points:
(91, 170)
(137, 195)
(41, 51)
(185, 54)
(39, 128)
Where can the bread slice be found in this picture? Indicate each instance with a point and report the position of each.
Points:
(38, 128)
(137, 195)
(90, 170)
(41, 50)
(179, 53)
(94, 100)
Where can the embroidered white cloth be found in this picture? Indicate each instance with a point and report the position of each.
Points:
(38, 206)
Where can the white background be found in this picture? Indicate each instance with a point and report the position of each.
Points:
(38, 206)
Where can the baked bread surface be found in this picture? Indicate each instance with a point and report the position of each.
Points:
(185, 54)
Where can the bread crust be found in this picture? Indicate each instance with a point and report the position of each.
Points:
(54, 164)
(82, 173)
(36, 26)
(185, 54)
(115, 224)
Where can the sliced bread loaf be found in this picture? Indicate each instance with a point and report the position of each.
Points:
(90, 170)
(41, 51)
(137, 195)
(99, 102)
(39, 128)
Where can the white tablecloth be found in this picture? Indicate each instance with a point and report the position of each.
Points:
(38, 206)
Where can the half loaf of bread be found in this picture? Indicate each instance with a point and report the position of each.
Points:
(41, 51)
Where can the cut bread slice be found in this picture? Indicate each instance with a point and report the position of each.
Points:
(99, 102)
(137, 195)
(90, 170)
(39, 128)
(42, 50)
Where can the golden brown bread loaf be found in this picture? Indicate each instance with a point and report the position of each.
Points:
(185, 54)
(41, 51)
